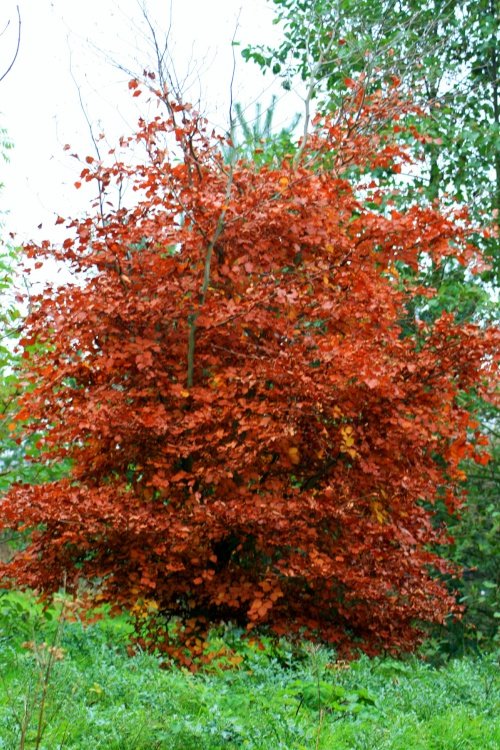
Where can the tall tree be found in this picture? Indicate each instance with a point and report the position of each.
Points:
(251, 435)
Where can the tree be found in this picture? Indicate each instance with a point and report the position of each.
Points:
(252, 437)
(257, 140)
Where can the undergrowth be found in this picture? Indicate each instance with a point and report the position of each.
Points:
(273, 696)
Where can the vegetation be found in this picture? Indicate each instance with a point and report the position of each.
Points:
(257, 695)
(9, 319)
(255, 140)
(253, 438)
(20, 459)
(259, 426)
(10, 453)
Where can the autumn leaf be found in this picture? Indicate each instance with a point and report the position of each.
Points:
(248, 433)
(379, 512)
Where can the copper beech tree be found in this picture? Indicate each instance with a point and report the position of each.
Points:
(252, 436)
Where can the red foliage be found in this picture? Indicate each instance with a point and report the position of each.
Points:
(252, 437)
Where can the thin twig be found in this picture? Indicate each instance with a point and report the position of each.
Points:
(310, 93)
(17, 45)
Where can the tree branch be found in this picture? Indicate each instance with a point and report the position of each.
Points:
(17, 46)
(206, 280)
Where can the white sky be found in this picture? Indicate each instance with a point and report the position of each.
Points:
(68, 45)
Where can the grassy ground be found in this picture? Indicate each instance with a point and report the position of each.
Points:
(82, 691)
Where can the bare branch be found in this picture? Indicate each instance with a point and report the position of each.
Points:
(17, 45)
(233, 73)
(315, 77)
(82, 106)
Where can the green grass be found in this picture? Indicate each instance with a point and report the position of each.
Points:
(279, 698)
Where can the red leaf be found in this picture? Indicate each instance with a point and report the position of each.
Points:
(249, 432)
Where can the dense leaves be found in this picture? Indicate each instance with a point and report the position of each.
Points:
(252, 436)
(446, 55)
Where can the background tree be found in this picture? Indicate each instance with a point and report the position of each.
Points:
(443, 55)
(251, 436)
(256, 138)
(475, 547)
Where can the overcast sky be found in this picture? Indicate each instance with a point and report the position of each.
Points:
(67, 51)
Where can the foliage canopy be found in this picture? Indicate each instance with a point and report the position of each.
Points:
(252, 436)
